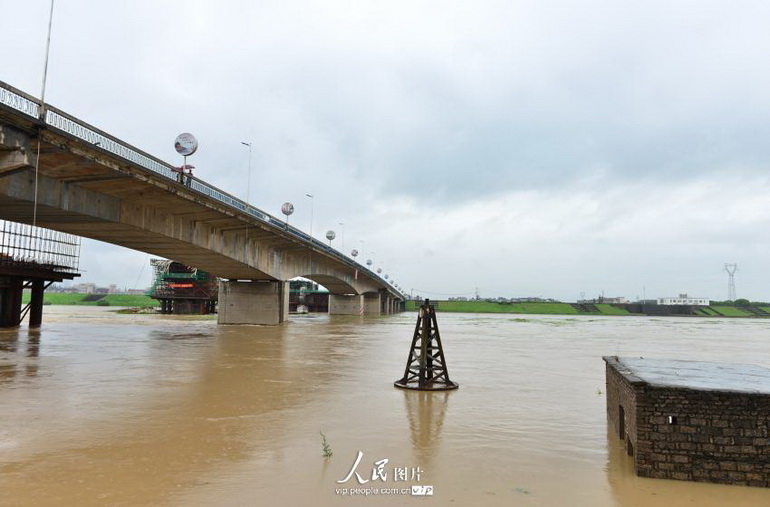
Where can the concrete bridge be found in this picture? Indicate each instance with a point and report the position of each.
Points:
(96, 186)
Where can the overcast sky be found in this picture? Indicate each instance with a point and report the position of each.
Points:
(524, 148)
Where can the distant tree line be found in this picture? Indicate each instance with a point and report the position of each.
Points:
(740, 302)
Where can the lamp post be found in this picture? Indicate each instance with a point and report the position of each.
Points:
(362, 246)
(343, 234)
(248, 179)
(45, 63)
(42, 111)
(311, 215)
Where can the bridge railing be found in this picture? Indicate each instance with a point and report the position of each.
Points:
(18, 100)
(22, 102)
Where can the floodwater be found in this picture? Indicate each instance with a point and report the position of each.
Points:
(106, 409)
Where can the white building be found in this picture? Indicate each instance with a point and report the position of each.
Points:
(684, 299)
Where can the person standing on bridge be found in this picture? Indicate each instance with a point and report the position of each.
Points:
(182, 178)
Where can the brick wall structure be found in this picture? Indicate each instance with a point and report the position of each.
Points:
(692, 420)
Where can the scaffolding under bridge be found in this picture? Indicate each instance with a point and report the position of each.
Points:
(182, 289)
(32, 258)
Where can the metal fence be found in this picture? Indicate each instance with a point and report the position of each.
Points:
(10, 98)
(60, 120)
(25, 246)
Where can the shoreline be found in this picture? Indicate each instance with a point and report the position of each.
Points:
(759, 311)
(599, 309)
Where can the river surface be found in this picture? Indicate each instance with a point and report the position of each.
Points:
(106, 409)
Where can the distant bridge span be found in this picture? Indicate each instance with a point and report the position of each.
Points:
(95, 185)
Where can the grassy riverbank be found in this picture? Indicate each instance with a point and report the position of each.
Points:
(527, 308)
(567, 309)
(56, 298)
(141, 301)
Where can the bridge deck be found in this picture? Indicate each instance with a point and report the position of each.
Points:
(94, 185)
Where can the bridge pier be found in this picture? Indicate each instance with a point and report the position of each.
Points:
(11, 289)
(253, 302)
(355, 304)
(372, 303)
(392, 305)
(344, 304)
(36, 303)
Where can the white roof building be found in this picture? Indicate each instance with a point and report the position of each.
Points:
(684, 299)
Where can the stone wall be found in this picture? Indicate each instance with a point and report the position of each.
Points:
(712, 436)
(691, 434)
(622, 392)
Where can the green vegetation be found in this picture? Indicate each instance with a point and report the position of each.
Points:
(605, 309)
(707, 311)
(493, 307)
(525, 308)
(717, 310)
(326, 447)
(57, 298)
(731, 311)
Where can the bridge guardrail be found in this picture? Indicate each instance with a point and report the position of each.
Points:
(20, 101)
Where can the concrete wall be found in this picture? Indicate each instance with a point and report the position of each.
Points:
(694, 435)
(346, 304)
(372, 304)
(253, 302)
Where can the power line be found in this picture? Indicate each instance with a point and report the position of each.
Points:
(731, 269)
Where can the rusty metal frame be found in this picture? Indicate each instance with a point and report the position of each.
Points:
(426, 368)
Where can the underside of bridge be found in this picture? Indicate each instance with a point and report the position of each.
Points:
(82, 189)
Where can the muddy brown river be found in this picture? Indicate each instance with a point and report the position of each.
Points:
(106, 409)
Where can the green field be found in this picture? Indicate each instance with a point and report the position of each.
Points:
(611, 310)
(566, 309)
(731, 311)
(490, 307)
(525, 308)
(55, 298)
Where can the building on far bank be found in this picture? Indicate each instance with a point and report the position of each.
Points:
(684, 299)
(84, 288)
(620, 300)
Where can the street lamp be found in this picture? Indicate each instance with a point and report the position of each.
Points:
(311, 214)
(343, 234)
(42, 111)
(287, 209)
(248, 184)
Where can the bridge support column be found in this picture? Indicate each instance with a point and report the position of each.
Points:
(346, 304)
(10, 301)
(372, 303)
(265, 303)
(36, 303)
